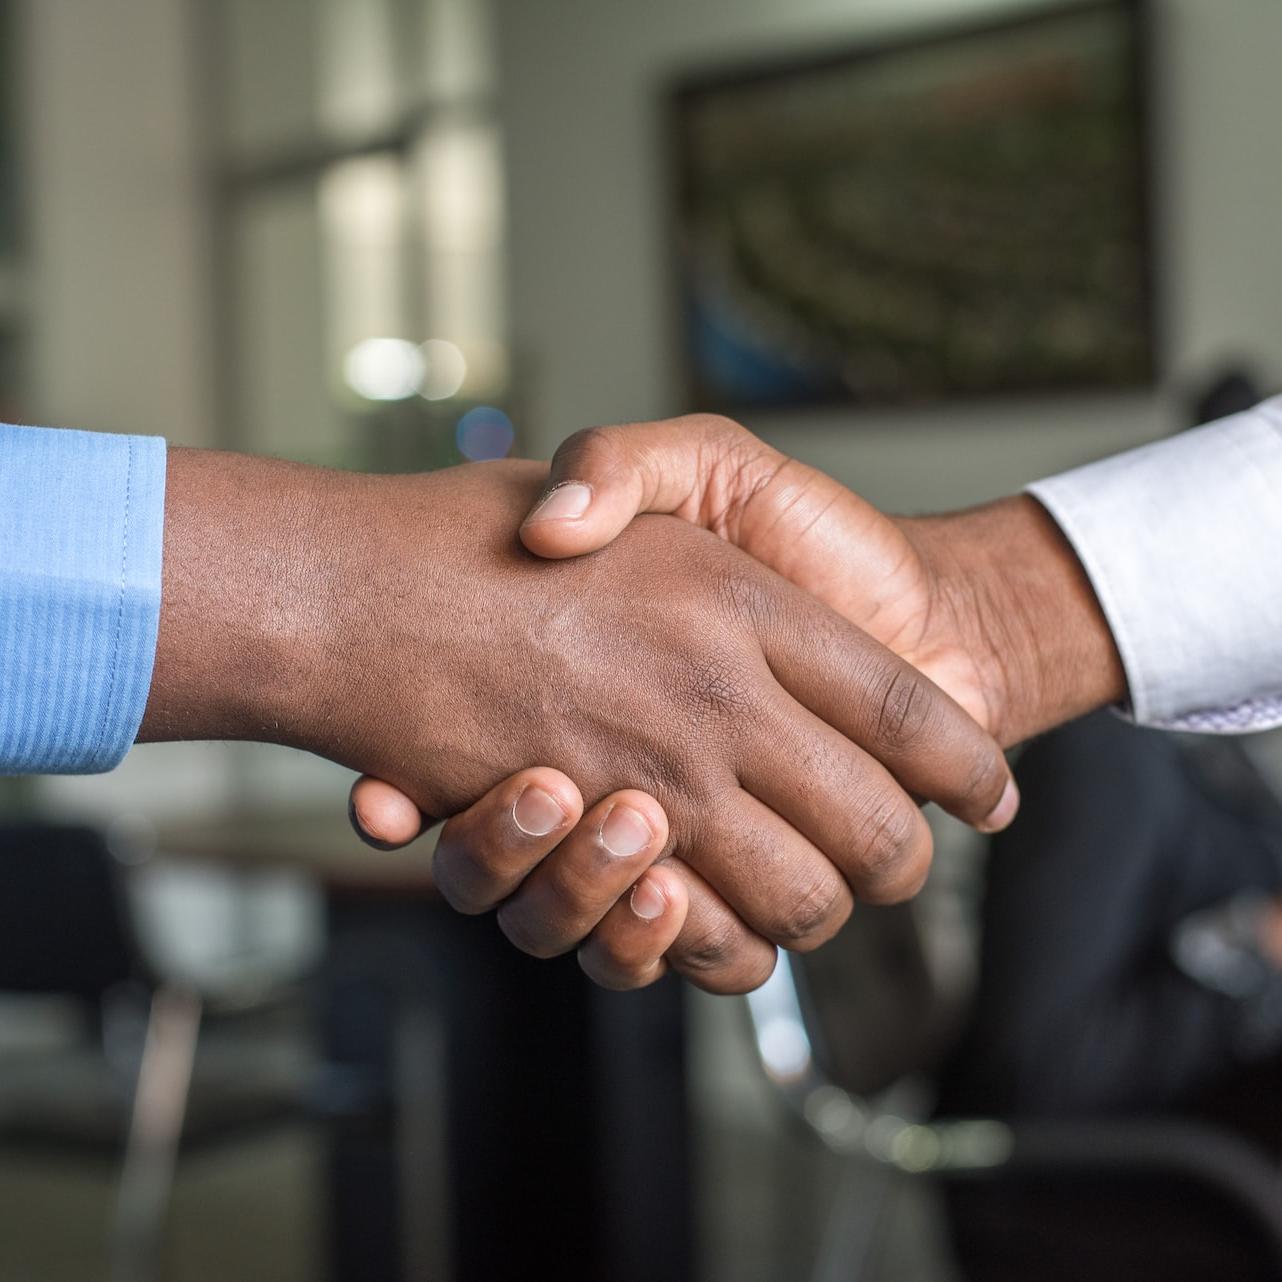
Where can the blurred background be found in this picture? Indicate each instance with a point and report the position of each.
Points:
(937, 248)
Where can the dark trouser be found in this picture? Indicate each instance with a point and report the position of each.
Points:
(1080, 1012)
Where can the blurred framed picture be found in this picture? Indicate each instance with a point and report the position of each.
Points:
(962, 213)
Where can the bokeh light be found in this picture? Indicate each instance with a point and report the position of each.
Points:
(384, 369)
(484, 433)
(444, 369)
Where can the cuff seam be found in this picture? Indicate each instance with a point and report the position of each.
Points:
(120, 608)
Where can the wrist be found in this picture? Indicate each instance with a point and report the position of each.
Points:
(247, 605)
(1010, 584)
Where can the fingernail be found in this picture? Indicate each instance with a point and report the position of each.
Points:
(564, 503)
(647, 900)
(625, 831)
(1004, 811)
(537, 813)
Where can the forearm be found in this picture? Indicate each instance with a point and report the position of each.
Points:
(1013, 587)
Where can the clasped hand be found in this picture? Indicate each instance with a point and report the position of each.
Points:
(771, 748)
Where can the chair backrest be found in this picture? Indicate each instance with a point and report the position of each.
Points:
(63, 928)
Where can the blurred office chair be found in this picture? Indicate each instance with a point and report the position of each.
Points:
(132, 1087)
(849, 1038)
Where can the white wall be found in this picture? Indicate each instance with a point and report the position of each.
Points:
(591, 313)
(116, 218)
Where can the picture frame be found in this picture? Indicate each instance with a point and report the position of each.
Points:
(960, 212)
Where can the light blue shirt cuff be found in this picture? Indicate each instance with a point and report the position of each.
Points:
(81, 532)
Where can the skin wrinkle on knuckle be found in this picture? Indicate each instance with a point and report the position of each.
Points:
(712, 949)
(883, 840)
(809, 920)
(985, 780)
(910, 874)
(719, 689)
(568, 878)
(904, 711)
(742, 594)
(669, 772)
(740, 470)
(567, 902)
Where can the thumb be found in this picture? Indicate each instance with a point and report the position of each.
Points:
(383, 816)
(603, 477)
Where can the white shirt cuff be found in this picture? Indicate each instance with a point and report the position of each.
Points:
(1182, 541)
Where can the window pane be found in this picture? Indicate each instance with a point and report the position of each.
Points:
(358, 89)
(362, 210)
(283, 383)
(457, 58)
(459, 193)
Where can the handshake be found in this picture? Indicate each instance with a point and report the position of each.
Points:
(681, 697)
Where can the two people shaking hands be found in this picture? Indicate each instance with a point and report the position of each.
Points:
(779, 674)
(678, 699)
(705, 739)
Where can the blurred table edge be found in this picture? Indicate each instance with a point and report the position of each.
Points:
(317, 842)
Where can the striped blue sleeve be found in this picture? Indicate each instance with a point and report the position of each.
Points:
(81, 535)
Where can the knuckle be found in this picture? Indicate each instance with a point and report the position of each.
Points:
(720, 689)
(712, 948)
(985, 779)
(736, 466)
(568, 893)
(744, 978)
(672, 771)
(887, 842)
(588, 447)
(714, 424)
(814, 915)
(741, 594)
(905, 710)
